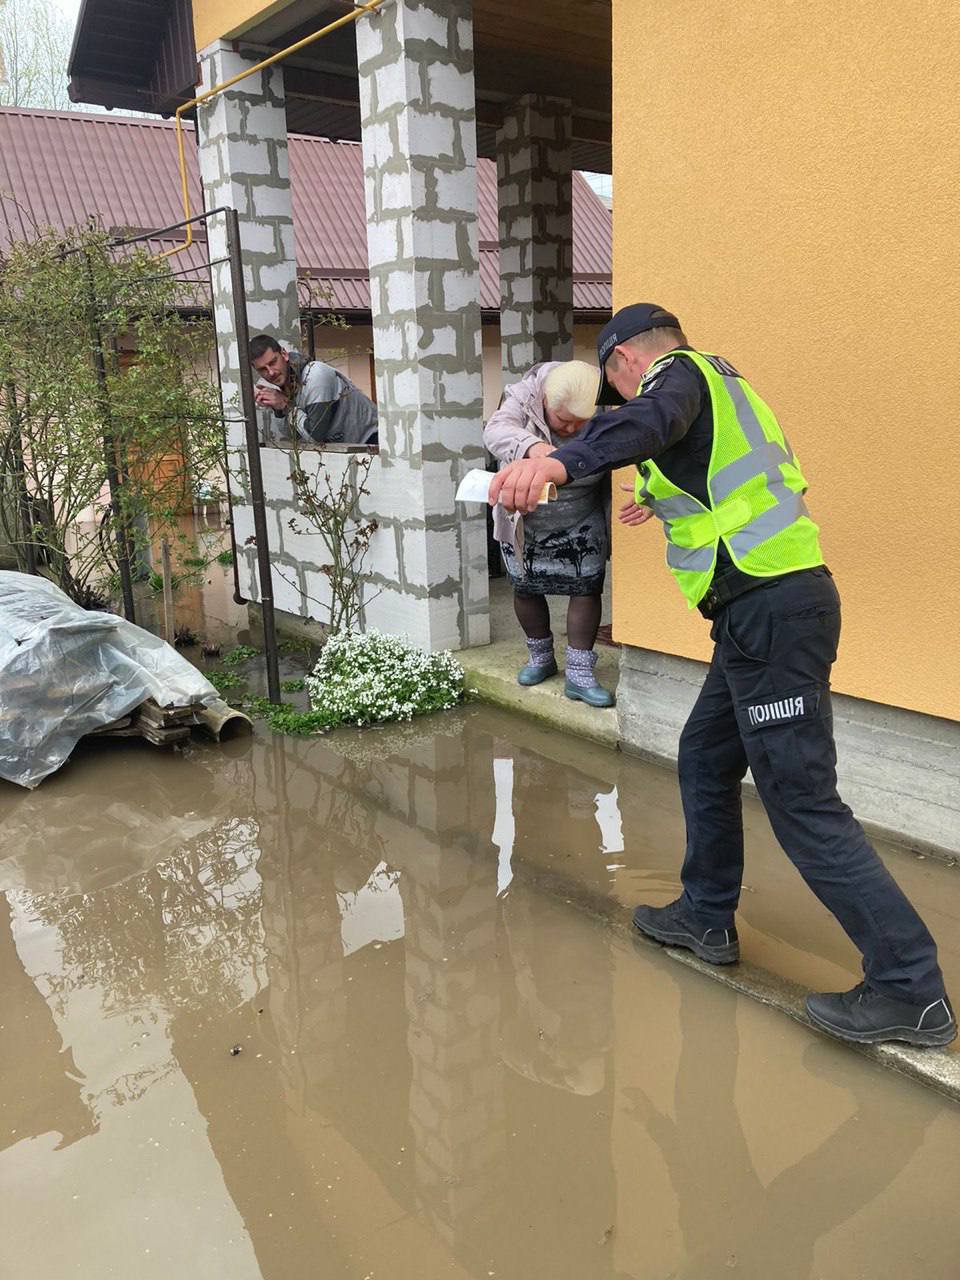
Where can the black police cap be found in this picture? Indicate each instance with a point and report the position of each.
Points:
(627, 323)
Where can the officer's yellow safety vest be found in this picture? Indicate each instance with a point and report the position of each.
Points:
(754, 484)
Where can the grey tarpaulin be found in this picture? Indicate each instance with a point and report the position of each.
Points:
(65, 671)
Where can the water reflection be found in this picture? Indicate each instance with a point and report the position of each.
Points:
(610, 821)
(729, 1217)
(504, 828)
(51, 1100)
(374, 913)
(443, 1068)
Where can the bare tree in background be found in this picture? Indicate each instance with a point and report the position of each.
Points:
(35, 40)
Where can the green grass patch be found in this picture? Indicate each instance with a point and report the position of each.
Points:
(224, 681)
(286, 719)
(242, 653)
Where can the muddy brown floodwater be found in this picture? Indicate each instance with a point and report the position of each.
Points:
(447, 1068)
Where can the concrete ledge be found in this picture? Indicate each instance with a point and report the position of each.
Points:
(492, 678)
(899, 770)
(937, 1069)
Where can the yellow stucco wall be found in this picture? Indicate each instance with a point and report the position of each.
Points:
(786, 181)
(220, 19)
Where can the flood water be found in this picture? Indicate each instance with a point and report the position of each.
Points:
(333, 1008)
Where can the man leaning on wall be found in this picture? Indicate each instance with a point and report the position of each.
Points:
(308, 398)
(715, 468)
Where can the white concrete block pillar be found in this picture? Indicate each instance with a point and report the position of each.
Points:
(418, 114)
(534, 168)
(242, 139)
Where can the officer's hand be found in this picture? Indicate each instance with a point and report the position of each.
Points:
(519, 485)
(631, 512)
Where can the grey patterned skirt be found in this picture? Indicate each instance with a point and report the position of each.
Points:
(566, 544)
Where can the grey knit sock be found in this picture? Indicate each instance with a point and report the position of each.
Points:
(540, 650)
(580, 664)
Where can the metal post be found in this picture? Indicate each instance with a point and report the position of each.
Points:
(110, 451)
(27, 548)
(253, 456)
(169, 626)
(238, 596)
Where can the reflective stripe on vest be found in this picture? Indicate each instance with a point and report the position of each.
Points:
(765, 526)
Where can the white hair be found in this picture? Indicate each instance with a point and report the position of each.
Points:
(572, 386)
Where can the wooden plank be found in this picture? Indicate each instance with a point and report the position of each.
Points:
(163, 737)
(163, 717)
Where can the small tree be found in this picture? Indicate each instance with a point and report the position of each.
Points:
(328, 504)
(99, 367)
(35, 38)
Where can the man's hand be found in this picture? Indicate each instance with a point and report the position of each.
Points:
(269, 398)
(632, 512)
(520, 484)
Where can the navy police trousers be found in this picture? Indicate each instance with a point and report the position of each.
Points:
(766, 704)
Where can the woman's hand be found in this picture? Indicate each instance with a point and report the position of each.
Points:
(541, 450)
(519, 485)
(632, 512)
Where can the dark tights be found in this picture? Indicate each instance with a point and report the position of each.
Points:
(583, 618)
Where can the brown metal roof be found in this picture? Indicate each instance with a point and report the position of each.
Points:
(59, 168)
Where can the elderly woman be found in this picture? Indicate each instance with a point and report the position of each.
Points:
(561, 548)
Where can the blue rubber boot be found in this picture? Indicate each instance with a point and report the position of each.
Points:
(542, 664)
(581, 684)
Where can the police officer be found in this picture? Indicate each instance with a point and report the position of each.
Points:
(716, 469)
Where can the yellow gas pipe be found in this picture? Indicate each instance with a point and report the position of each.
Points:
(368, 7)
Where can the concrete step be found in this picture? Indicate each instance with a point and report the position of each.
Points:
(492, 678)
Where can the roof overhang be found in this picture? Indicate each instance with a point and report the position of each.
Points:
(140, 54)
(135, 55)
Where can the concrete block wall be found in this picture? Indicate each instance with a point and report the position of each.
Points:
(242, 147)
(418, 114)
(534, 168)
(427, 563)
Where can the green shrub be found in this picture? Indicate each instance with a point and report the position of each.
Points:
(374, 678)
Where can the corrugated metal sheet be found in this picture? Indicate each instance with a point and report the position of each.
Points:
(59, 168)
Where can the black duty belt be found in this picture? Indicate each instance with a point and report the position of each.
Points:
(725, 588)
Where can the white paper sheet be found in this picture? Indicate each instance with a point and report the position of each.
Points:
(475, 487)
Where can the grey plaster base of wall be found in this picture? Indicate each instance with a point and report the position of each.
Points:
(289, 626)
(899, 770)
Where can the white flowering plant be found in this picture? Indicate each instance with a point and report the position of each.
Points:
(374, 678)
